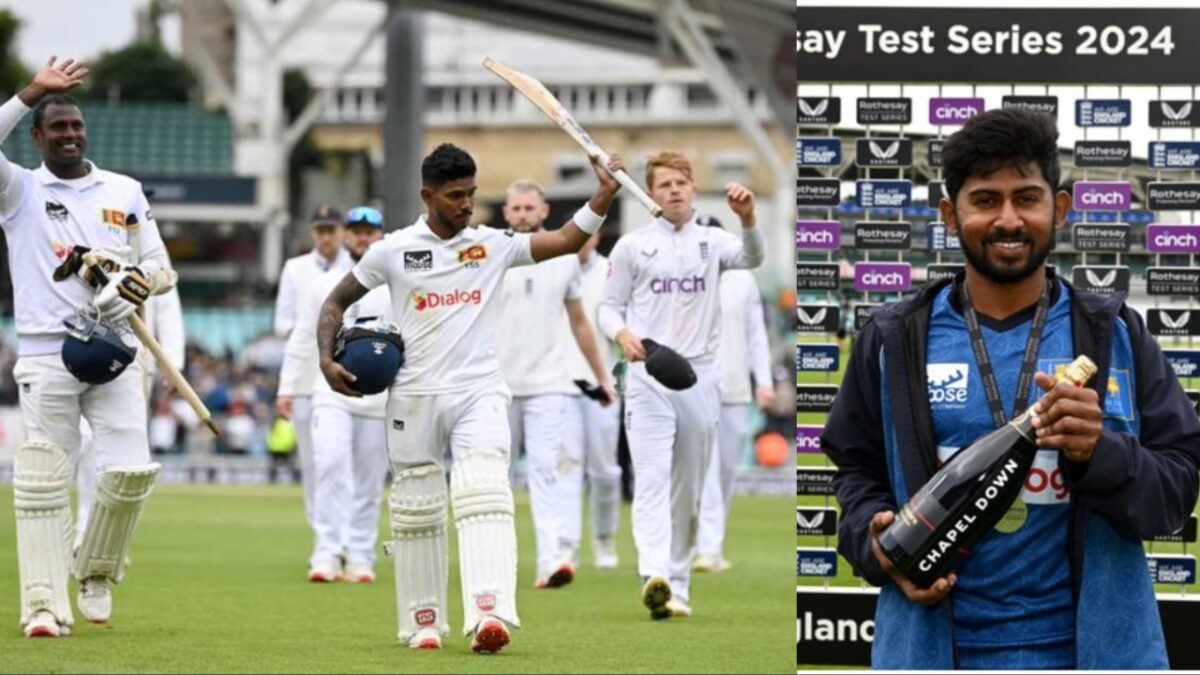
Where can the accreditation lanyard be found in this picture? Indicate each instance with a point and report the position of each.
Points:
(1028, 362)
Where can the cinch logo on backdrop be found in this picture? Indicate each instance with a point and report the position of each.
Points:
(669, 285)
(1000, 45)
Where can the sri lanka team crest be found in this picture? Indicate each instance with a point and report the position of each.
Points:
(473, 255)
(114, 219)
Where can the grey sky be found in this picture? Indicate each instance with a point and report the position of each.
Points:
(82, 28)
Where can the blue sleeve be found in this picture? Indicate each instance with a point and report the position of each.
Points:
(853, 439)
(1145, 485)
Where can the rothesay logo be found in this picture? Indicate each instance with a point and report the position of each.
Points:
(947, 384)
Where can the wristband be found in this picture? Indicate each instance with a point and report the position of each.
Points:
(587, 220)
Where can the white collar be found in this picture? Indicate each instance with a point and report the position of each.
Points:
(47, 177)
(421, 229)
(670, 227)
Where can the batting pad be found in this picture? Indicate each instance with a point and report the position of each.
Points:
(42, 499)
(487, 539)
(121, 492)
(418, 508)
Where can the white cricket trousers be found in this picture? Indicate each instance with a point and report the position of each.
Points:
(590, 434)
(537, 423)
(302, 422)
(350, 464)
(717, 497)
(52, 402)
(670, 437)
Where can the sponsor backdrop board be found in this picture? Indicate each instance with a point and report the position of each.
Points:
(886, 234)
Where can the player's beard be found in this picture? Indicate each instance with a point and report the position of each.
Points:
(978, 258)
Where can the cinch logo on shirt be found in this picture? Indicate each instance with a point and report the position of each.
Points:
(693, 284)
(947, 384)
(435, 300)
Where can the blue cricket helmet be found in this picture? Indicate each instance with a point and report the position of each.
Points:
(373, 352)
(96, 352)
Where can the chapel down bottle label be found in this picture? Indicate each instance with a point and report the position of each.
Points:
(967, 496)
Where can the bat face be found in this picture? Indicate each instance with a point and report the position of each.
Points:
(550, 106)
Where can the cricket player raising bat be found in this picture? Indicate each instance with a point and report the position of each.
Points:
(664, 287)
(87, 370)
(444, 277)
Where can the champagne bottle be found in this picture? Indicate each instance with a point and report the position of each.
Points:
(967, 496)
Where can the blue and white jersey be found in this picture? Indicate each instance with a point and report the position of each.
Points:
(1014, 589)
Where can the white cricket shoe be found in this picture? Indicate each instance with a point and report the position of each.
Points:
(679, 608)
(94, 600)
(656, 596)
(604, 554)
(325, 571)
(359, 573)
(43, 624)
(426, 638)
(562, 575)
(490, 636)
(713, 564)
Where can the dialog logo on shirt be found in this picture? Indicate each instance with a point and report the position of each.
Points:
(947, 384)
(435, 300)
(418, 261)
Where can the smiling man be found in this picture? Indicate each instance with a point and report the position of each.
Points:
(46, 213)
(445, 277)
(1061, 583)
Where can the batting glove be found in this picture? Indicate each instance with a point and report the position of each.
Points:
(122, 295)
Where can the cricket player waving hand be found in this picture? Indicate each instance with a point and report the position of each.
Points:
(46, 213)
(664, 287)
(444, 277)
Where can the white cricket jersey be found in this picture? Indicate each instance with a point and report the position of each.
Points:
(298, 272)
(663, 283)
(50, 217)
(374, 305)
(594, 275)
(744, 347)
(530, 347)
(444, 295)
(301, 362)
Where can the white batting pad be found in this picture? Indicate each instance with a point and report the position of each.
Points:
(487, 539)
(42, 498)
(121, 492)
(418, 508)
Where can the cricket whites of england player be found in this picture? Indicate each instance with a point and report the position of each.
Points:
(544, 300)
(68, 202)
(664, 286)
(744, 352)
(349, 439)
(444, 278)
(591, 432)
(299, 369)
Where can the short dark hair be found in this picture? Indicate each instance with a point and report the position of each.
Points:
(39, 111)
(999, 139)
(447, 162)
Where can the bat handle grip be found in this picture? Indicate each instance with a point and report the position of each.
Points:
(629, 184)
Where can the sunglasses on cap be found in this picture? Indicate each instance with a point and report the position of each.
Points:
(364, 215)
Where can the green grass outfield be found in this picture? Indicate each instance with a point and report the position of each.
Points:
(217, 585)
